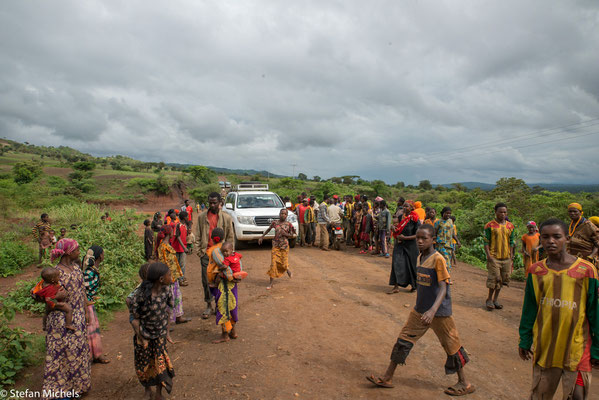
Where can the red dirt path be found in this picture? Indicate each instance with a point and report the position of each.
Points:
(318, 335)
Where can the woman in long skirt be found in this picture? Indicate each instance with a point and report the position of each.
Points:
(405, 252)
(91, 276)
(68, 364)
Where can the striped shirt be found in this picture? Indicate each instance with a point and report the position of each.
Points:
(560, 316)
(500, 238)
(39, 228)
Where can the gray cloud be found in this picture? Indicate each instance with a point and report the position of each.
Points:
(389, 91)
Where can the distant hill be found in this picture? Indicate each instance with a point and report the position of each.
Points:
(221, 170)
(552, 187)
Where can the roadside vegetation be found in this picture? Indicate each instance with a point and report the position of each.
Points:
(74, 188)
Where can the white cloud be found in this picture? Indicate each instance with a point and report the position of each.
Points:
(386, 91)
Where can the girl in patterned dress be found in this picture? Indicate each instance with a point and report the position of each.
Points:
(150, 309)
(280, 247)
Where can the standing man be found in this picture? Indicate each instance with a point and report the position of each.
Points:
(212, 218)
(335, 217)
(348, 211)
(39, 228)
(322, 218)
(499, 248)
(304, 225)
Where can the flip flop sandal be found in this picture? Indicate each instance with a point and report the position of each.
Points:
(379, 382)
(490, 305)
(460, 392)
(497, 305)
(206, 314)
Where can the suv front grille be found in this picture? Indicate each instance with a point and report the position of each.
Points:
(264, 221)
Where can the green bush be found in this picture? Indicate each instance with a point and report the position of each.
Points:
(25, 172)
(14, 255)
(20, 300)
(123, 255)
(18, 349)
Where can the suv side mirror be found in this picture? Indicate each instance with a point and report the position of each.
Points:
(288, 205)
(229, 206)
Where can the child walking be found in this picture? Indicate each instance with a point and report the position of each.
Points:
(560, 318)
(530, 245)
(279, 263)
(150, 309)
(432, 310)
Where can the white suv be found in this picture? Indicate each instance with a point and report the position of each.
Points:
(253, 208)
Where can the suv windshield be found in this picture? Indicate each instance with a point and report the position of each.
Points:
(266, 200)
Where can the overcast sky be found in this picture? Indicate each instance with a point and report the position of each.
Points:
(448, 91)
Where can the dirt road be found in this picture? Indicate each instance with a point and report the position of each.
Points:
(317, 335)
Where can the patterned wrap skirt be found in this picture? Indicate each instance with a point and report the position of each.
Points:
(178, 299)
(93, 333)
(279, 262)
(153, 366)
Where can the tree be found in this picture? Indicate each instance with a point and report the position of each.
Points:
(380, 187)
(459, 187)
(349, 179)
(425, 185)
(84, 166)
(316, 178)
(201, 174)
(302, 177)
(26, 172)
(400, 185)
(336, 179)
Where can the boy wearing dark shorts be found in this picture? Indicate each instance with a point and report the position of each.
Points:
(499, 249)
(432, 310)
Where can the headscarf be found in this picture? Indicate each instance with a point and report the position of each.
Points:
(576, 206)
(91, 256)
(533, 223)
(594, 220)
(378, 198)
(417, 204)
(64, 247)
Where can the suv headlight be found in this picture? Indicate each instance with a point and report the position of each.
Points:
(292, 217)
(245, 220)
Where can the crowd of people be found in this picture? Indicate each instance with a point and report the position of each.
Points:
(563, 286)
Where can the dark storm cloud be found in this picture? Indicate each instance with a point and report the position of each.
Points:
(389, 90)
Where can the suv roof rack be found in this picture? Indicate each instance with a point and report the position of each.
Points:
(251, 186)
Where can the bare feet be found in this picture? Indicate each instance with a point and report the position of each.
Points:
(223, 339)
(393, 291)
(233, 334)
(289, 273)
(101, 360)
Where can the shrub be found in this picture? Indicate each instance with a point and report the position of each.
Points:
(26, 172)
(18, 349)
(14, 255)
(84, 166)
